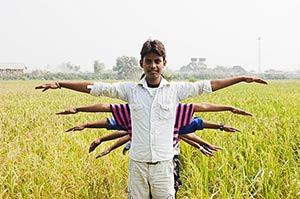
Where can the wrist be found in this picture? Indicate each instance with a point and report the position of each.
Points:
(221, 126)
(57, 84)
(75, 110)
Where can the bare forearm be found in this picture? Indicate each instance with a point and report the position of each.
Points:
(222, 83)
(94, 108)
(195, 138)
(119, 143)
(97, 124)
(210, 125)
(208, 107)
(114, 135)
(76, 86)
(190, 142)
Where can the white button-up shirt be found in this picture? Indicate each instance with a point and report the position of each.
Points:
(152, 116)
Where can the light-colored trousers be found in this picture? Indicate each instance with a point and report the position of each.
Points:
(155, 181)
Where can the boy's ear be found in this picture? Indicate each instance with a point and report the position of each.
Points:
(141, 63)
(165, 64)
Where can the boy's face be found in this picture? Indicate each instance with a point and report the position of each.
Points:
(153, 66)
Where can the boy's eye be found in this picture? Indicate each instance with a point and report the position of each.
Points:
(148, 61)
(157, 61)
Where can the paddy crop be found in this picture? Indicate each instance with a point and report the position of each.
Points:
(39, 160)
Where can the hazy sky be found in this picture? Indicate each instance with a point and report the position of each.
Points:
(225, 32)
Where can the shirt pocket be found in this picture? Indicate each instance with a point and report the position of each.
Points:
(165, 111)
(136, 111)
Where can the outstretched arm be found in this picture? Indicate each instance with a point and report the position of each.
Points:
(208, 107)
(111, 136)
(91, 108)
(117, 144)
(222, 83)
(211, 125)
(98, 124)
(193, 137)
(196, 145)
(76, 86)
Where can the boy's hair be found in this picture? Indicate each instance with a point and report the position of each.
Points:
(153, 46)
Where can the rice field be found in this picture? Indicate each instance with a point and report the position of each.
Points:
(39, 160)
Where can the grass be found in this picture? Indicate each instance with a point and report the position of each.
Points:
(39, 160)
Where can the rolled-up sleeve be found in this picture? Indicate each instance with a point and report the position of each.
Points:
(189, 89)
(113, 90)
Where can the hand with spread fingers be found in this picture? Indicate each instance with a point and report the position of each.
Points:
(205, 152)
(103, 153)
(213, 147)
(54, 85)
(240, 111)
(94, 144)
(66, 112)
(255, 79)
(76, 128)
(230, 129)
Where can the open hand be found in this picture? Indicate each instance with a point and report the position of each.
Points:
(240, 111)
(76, 128)
(66, 112)
(214, 148)
(94, 144)
(205, 152)
(103, 154)
(230, 129)
(45, 87)
(255, 79)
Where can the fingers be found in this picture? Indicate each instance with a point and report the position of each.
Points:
(66, 112)
(206, 153)
(240, 111)
(40, 86)
(47, 86)
(255, 79)
(71, 129)
(215, 148)
(102, 154)
(94, 145)
(261, 81)
(43, 86)
(231, 129)
(248, 113)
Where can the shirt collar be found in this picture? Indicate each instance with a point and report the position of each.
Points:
(163, 82)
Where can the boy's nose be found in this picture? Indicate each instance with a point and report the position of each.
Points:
(153, 65)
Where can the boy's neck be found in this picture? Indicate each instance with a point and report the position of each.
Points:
(153, 83)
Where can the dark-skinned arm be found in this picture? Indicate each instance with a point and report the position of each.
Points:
(91, 108)
(222, 83)
(76, 86)
(111, 136)
(114, 146)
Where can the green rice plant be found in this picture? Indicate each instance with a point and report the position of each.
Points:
(38, 159)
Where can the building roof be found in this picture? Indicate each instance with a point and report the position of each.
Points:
(15, 66)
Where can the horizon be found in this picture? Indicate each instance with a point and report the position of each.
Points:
(256, 35)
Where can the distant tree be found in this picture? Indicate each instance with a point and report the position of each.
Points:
(98, 66)
(68, 67)
(126, 66)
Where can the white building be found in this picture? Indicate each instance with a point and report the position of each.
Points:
(12, 68)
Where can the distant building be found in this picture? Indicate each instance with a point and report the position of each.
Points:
(12, 68)
(195, 65)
